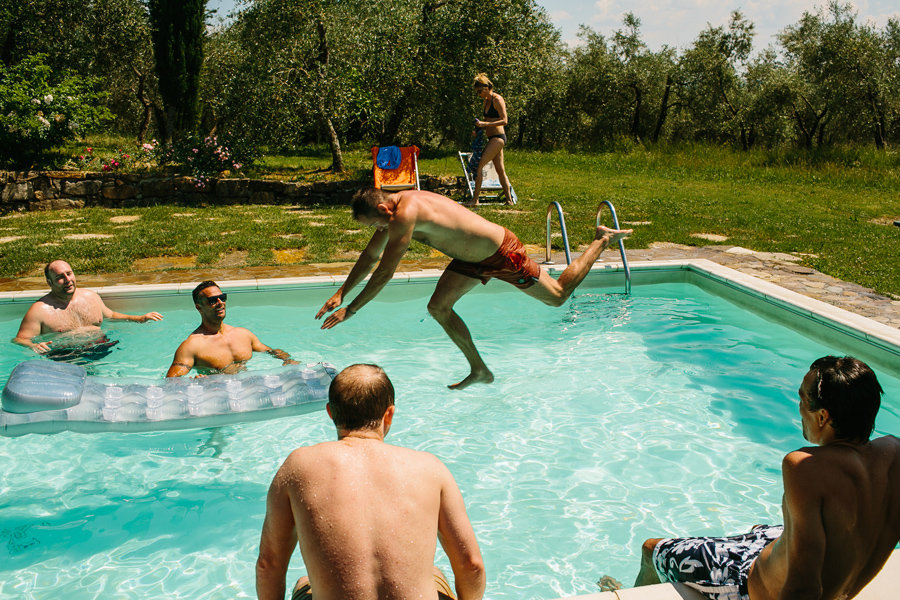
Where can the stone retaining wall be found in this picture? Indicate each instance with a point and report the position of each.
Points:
(57, 190)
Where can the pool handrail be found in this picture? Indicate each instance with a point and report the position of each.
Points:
(615, 219)
(562, 226)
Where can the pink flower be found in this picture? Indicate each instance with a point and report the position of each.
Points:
(195, 150)
(106, 167)
(90, 150)
(126, 156)
(147, 147)
(237, 166)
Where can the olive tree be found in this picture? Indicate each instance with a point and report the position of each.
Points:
(844, 76)
(710, 87)
(643, 78)
(122, 57)
(592, 103)
(298, 70)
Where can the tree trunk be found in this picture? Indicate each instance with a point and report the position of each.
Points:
(161, 122)
(816, 130)
(142, 98)
(878, 121)
(746, 135)
(337, 159)
(824, 119)
(391, 134)
(663, 110)
(807, 135)
(735, 113)
(636, 118)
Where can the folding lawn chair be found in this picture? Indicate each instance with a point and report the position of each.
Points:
(396, 168)
(490, 181)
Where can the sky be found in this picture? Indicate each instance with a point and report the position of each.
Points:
(677, 23)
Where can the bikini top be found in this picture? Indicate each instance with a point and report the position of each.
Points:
(491, 112)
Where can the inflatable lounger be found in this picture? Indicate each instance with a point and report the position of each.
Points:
(48, 397)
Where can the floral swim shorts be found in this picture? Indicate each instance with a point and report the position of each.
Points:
(718, 568)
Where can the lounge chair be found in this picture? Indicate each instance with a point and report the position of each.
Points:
(396, 168)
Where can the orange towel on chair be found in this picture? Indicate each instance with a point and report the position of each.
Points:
(405, 174)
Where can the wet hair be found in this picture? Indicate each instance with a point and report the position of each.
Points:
(366, 200)
(359, 396)
(481, 80)
(848, 389)
(196, 293)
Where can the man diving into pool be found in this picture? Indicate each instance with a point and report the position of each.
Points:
(841, 506)
(74, 314)
(215, 347)
(480, 250)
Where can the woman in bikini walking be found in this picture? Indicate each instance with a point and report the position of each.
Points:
(492, 121)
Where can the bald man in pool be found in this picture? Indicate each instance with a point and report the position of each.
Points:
(72, 311)
(480, 250)
(841, 506)
(366, 515)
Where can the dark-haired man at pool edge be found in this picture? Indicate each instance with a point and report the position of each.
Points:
(480, 250)
(72, 311)
(367, 515)
(841, 506)
(215, 347)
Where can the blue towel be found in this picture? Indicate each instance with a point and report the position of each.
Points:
(388, 158)
(477, 149)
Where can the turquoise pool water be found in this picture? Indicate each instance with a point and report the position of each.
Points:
(612, 420)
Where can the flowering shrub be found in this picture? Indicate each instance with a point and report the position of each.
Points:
(40, 109)
(207, 157)
(130, 161)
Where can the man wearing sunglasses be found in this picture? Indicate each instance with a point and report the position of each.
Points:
(215, 347)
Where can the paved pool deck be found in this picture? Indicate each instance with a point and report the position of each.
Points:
(883, 587)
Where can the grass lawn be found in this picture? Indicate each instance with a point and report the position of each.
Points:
(836, 211)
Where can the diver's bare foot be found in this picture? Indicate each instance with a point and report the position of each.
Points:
(472, 204)
(474, 377)
(612, 235)
(608, 583)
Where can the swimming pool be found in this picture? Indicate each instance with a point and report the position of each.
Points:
(612, 419)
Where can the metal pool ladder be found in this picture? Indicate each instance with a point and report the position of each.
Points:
(565, 237)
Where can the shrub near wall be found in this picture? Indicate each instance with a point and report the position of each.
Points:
(57, 190)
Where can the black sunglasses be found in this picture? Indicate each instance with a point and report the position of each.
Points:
(213, 300)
